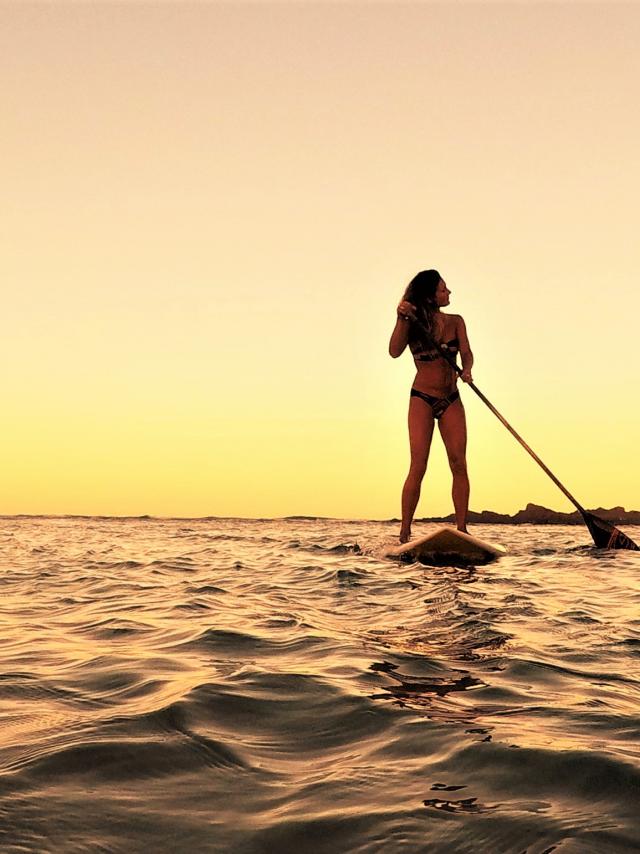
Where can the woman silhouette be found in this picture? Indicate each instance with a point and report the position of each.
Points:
(434, 397)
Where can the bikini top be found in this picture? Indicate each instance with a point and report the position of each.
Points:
(451, 348)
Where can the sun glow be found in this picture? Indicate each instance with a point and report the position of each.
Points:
(214, 209)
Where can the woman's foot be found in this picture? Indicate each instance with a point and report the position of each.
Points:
(405, 535)
(463, 529)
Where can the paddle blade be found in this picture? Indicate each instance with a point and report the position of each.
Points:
(607, 536)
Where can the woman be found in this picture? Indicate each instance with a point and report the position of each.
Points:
(434, 397)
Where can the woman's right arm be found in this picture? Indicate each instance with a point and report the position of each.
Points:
(400, 334)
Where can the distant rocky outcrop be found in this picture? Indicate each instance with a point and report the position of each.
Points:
(534, 514)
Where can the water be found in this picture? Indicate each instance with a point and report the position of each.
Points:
(277, 686)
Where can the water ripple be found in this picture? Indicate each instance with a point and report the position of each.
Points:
(258, 686)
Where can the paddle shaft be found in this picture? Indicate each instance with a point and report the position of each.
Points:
(452, 361)
(529, 450)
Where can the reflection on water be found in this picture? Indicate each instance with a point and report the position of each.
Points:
(275, 686)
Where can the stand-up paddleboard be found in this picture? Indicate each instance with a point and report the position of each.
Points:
(447, 547)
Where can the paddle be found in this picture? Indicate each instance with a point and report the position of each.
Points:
(605, 535)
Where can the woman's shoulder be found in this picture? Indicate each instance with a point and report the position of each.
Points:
(456, 318)
(453, 319)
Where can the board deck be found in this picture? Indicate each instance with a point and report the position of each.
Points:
(447, 547)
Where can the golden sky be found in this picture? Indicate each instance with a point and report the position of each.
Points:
(210, 212)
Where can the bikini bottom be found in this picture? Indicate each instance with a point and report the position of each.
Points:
(439, 405)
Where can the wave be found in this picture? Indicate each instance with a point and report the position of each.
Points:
(220, 686)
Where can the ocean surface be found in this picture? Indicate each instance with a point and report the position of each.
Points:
(260, 687)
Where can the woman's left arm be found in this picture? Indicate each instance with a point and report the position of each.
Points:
(466, 356)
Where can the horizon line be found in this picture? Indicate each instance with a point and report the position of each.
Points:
(291, 517)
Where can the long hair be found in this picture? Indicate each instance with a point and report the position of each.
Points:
(421, 292)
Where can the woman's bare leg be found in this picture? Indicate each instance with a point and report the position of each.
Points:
(453, 429)
(420, 434)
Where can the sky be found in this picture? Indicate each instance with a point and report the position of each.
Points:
(211, 211)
